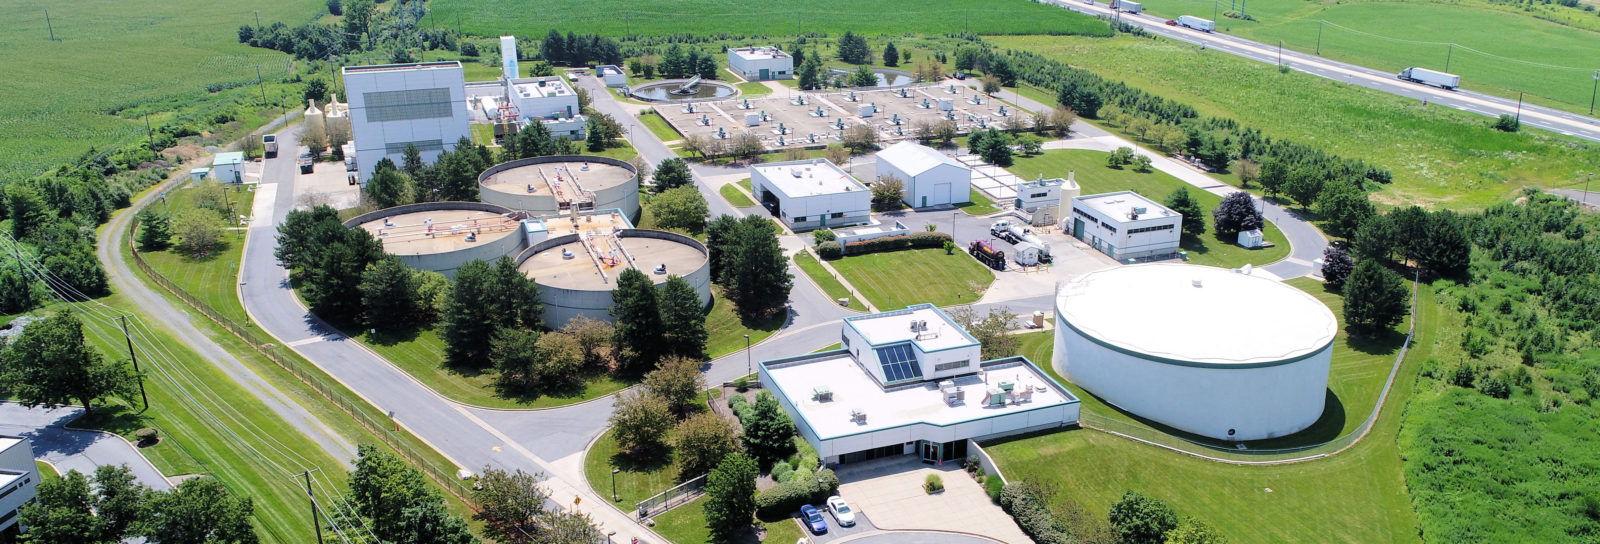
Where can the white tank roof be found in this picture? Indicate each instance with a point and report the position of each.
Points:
(1184, 313)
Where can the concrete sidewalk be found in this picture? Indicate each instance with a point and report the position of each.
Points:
(72, 449)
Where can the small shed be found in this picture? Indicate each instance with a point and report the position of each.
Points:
(228, 167)
(1250, 239)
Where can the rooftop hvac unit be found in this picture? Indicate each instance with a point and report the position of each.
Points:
(1140, 209)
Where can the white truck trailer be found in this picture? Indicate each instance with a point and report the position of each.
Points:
(1203, 25)
(1126, 6)
(1430, 77)
(269, 142)
(1023, 238)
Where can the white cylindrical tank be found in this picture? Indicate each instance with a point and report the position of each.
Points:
(1204, 350)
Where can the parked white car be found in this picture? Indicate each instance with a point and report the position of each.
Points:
(841, 511)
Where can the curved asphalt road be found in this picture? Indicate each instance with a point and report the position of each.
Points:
(1570, 124)
(74, 449)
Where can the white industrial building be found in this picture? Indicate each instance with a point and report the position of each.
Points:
(761, 63)
(612, 75)
(228, 167)
(1125, 226)
(1042, 201)
(1211, 351)
(395, 105)
(18, 479)
(931, 178)
(911, 381)
(810, 194)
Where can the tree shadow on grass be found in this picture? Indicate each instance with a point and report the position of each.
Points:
(641, 463)
(114, 418)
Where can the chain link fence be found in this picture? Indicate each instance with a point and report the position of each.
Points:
(677, 496)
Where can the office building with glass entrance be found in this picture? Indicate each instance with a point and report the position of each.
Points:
(911, 382)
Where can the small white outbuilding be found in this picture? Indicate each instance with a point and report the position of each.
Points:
(931, 178)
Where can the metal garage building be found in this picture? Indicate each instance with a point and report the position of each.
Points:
(932, 178)
(1211, 351)
(811, 194)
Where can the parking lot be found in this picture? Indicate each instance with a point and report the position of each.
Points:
(810, 119)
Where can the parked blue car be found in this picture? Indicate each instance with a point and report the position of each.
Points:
(814, 519)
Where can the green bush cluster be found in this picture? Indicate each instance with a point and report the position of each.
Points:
(993, 485)
(916, 240)
(790, 495)
(741, 407)
(1032, 515)
(830, 250)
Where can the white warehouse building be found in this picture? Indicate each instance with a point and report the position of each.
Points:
(761, 63)
(931, 178)
(811, 194)
(19, 478)
(1211, 351)
(395, 105)
(1125, 226)
(911, 381)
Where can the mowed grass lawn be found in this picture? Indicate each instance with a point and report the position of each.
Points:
(895, 279)
(1358, 495)
(421, 354)
(1439, 156)
(659, 126)
(687, 525)
(726, 329)
(824, 279)
(639, 479)
(735, 197)
(213, 278)
(978, 204)
(1095, 177)
(669, 17)
(752, 89)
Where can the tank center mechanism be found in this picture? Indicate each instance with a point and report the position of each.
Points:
(599, 239)
(564, 184)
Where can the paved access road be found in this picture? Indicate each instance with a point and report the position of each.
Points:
(73, 449)
(1570, 124)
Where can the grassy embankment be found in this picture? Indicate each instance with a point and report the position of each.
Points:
(942, 279)
(1095, 177)
(1358, 495)
(1439, 156)
(211, 278)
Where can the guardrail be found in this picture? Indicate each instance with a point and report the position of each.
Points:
(1215, 452)
(312, 377)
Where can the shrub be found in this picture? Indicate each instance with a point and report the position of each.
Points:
(788, 496)
(993, 484)
(823, 235)
(1494, 386)
(933, 484)
(830, 250)
(742, 384)
(146, 436)
(886, 243)
(1506, 123)
(1032, 515)
(781, 471)
(921, 240)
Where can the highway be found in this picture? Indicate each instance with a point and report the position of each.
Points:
(1561, 122)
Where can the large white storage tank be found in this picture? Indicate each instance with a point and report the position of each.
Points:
(1211, 351)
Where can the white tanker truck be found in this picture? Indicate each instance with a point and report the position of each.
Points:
(1029, 247)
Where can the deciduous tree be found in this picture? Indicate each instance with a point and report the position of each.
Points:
(731, 496)
(678, 381)
(1138, 519)
(1375, 298)
(1336, 266)
(200, 511)
(769, 434)
(888, 193)
(1236, 213)
(701, 442)
(682, 208)
(640, 421)
(50, 365)
(511, 503)
(1343, 207)
(198, 232)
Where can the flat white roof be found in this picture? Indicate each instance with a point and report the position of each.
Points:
(440, 65)
(759, 53)
(854, 390)
(809, 178)
(7, 477)
(540, 87)
(895, 326)
(8, 442)
(1121, 204)
(231, 157)
(1230, 318)
(914, 158)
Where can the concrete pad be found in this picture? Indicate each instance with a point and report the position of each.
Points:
(890, 491)
(326, 184)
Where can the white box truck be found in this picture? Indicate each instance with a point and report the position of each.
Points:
(1430, 77)
(269, 142)
(1203, 25)
(1126, 7)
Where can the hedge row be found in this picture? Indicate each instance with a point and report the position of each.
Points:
(916, 240)
(1033, 516)
(741, 407)
(790, 495)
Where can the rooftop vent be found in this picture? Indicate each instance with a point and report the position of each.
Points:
(1195, 282)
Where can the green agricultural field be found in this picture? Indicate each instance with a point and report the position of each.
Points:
(212, 278)
(1499, 49)
(726, 330)
(736, 197)
(1357, 495)
(1439, 156)
(830, 285)
(942, 279)
(787, 17)
(1095, 177)
(114, 61)
(421, 354)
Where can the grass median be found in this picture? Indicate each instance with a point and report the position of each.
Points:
(824, 279)
(659, 126)
(212, 277)
(735, 197)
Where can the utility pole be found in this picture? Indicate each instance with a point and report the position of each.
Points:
(1592, 92)
(1319, 37)
(135, 358)
(261, 85)
(1447, 54)
(1519, 109)
(149, 134)
(1280, 53)
(258, 17)
(314, 521)
(50, 25)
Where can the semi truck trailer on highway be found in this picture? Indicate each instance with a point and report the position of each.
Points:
(1430, 77)
(1203, 25)
(1125, 6)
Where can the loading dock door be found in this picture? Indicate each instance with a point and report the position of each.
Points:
(942, 191)
(1077, 228)
(765, 74)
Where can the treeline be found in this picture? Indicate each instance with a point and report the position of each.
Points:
(113, 507)
(1217, 142)
(1502, 442)
(362, 28)
(579, 49)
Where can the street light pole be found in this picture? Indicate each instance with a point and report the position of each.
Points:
(1319, 37)
(748, 369)
(614, 497)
